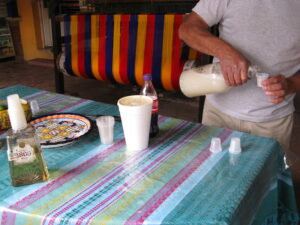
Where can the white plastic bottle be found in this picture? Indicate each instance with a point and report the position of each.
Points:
(208, 79)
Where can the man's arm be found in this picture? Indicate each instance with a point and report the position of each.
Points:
(194, 32)
(278, 87)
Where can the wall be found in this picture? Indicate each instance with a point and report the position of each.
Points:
(28, 33)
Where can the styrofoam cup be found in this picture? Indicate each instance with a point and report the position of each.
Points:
(135, 111)
(215, 145)
(106, 129)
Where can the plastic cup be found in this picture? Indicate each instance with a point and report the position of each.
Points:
(106, 129)
(235, 145)
(260, 77)
(16, 112)
(215, 145)
(135, 111)
(35, 108)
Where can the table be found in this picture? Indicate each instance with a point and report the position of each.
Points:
(177, 180)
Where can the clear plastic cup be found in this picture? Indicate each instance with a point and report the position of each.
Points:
(106, 129)
(215, 145)
(260, 77)
(235, 145)
(35, 108)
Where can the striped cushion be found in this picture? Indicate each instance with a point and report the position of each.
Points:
(121, 48)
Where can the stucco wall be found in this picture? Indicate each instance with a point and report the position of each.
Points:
(27, 30)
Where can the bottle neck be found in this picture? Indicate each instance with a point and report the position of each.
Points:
(253, 70)
(148, 82)
(19, 129)
(28, 131)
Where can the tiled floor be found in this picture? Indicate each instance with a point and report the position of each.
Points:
(171, 103)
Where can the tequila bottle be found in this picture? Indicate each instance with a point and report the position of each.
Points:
(26, 161)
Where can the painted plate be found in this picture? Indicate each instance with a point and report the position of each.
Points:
(57, 130)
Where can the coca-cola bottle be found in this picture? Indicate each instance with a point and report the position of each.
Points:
(149, 90)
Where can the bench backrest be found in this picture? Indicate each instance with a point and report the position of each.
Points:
(122, 47)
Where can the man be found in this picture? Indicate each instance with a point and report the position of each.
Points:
(259, 32)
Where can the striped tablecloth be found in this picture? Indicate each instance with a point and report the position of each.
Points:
(177, 180)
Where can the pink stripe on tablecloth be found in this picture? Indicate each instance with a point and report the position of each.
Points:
(8, 217)
(111, 174)
(95, 210)
(153, 203)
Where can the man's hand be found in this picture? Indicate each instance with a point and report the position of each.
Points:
(234, 67)
(194, 32)
(277, 87)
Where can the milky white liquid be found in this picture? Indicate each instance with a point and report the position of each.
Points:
(203, 80)
(135, 100)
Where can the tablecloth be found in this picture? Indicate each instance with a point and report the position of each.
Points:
(176, 180)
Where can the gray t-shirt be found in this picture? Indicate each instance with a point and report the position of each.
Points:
(267, 33)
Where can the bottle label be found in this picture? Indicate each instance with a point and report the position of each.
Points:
(22, 154)
(155, 104)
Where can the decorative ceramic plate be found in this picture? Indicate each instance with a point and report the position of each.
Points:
(57, 130)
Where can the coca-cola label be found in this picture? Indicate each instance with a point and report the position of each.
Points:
(155, 104)
(21, 154)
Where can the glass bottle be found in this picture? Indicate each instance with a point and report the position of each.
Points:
(198, 80)
(149, 90)
(25, 158)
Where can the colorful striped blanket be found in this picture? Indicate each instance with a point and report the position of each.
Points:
(121, 48)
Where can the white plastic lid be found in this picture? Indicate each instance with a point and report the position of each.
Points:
(16, 113)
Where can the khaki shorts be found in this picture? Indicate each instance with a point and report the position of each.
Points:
(280, 130)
